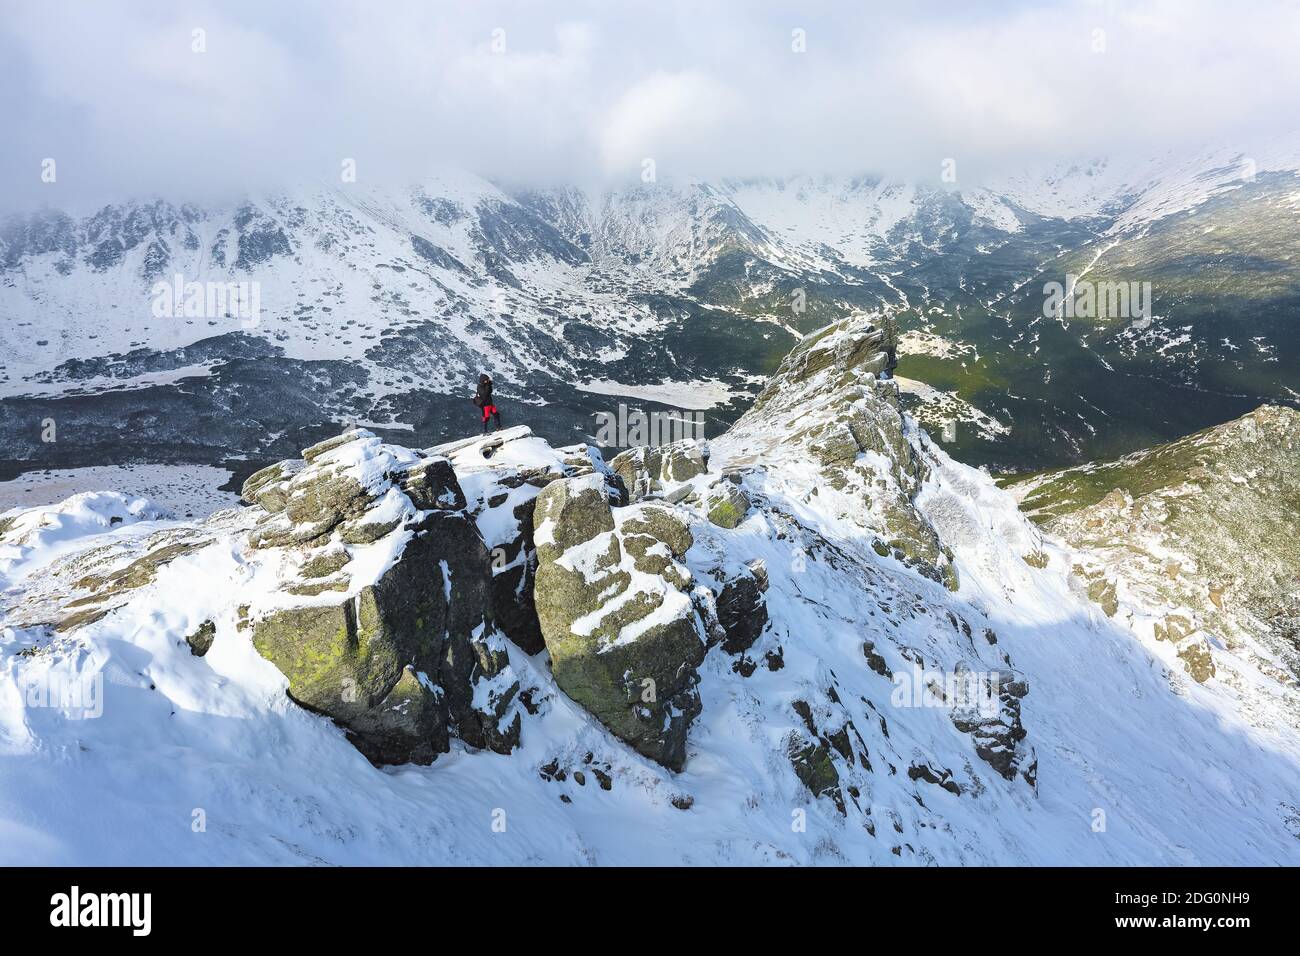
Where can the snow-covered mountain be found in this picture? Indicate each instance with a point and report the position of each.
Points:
(815, 638)
(380, 306)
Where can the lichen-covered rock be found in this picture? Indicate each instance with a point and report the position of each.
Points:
(815, 769)
(367, 529)
(408, 725)
(333, 582)
(324, 562)
(657, 539)
(349, 490)
(828, 754)
(428, 614)
(571, 512)
(664, 525)
(404, 653)
(313, 452)
(319, 499)
(268, 487)
(501, 492)
(726, 505)
(624, 642)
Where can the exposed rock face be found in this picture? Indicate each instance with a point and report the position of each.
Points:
(741, 609)
(815, 768)
(997, 730)
(826, 405)
(649, 471)
(431, 485)
(266, 487)
(200, 641)
(1193, 539)
(514, 569)
(624, 635)
(502, 498)
(396, 657)
(827, 752)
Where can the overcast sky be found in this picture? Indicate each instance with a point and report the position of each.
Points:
(560, 90)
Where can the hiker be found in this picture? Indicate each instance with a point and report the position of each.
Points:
(483, 399)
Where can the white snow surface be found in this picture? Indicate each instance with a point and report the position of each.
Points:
(187, 490)
(205, 761)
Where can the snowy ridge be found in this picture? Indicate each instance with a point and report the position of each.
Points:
(890, 570)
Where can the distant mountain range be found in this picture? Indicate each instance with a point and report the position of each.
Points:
(379, 307)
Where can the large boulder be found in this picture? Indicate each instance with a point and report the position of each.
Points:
(501, 491)
(624, 638)
(386, 626)
(742, 608)
(726, 505)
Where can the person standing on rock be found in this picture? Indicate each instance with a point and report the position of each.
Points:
(483, 399)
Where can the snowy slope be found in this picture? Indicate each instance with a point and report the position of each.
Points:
(203, 760)
(1132, 193)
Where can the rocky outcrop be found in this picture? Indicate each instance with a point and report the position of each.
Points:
(615, 608)
(742, 609)
(726, 505)
(1193, 542)
(1190, 645)
(200, 642)
(647, 471)
(826, 751)
(828, 407)
(990, 712)
(502, 499)
(392, 634)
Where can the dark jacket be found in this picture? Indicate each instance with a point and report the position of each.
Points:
(483, 396)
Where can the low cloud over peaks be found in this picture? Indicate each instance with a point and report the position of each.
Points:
(194, 99)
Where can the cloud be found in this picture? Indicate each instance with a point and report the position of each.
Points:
(664, 116)
(115, 92)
